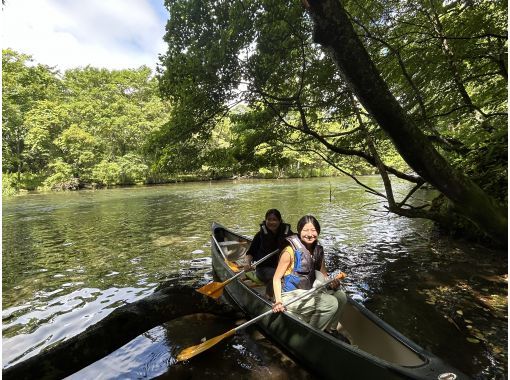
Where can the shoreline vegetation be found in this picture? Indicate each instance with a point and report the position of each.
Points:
(96, 128)
(76, 185)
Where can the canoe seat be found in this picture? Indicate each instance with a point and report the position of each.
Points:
(230, 242)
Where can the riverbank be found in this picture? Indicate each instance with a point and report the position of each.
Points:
(75, 184)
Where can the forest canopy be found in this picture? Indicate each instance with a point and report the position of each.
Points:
(90, 127)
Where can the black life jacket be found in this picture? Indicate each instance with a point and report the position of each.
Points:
(270, 242)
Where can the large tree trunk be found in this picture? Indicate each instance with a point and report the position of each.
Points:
(334, 31)
(117, 329)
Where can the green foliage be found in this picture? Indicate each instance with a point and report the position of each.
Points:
(8, 185)
(126, 170)
(27, 181)
(77, 147)
(288, 81)
(60, 173)
(23, 86)
(447, 64)
(106, 173)
(133, 169)
(69, 127)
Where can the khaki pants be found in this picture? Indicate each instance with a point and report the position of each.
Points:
(322, 309)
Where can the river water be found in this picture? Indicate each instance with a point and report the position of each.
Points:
(69, 259)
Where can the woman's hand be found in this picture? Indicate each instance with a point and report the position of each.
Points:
(278, 307)
(336, 283)
(247, 263)
(247, 267)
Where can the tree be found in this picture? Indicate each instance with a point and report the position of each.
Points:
(87, 125)
(78, 149)
(263, 54)
(119, 107)
(24, 85)
(334, 30)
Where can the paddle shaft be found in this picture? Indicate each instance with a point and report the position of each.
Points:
(307, 293)
(253, 265)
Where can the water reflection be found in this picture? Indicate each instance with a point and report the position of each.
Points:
(70, 258)
(247, 355)
(50, 322)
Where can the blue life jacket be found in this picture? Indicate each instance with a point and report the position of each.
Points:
(305, 265)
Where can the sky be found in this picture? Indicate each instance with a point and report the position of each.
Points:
(112, 34)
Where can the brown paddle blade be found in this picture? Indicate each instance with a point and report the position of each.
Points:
(189, 352)
(232, 266)
(213, 289)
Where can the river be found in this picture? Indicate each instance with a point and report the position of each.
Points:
(71, 258)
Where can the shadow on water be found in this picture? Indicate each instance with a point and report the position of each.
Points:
(247, 355)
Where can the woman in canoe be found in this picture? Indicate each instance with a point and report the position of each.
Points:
(295, 274)
(269, 238)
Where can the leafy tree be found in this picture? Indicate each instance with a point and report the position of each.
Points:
(106, 172)
(120, 108)
(24, 85)
(334, 30)
(78, 149)
(263, 54)
(60, 173)
(45, 121)
(133, 168)
(87, 125)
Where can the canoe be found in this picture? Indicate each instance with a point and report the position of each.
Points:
(377, 350)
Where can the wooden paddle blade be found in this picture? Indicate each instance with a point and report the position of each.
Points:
(189, 352)
(232, 266)
(212, 289)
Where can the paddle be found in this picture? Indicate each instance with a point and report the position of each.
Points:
(232, 265)
(192, 351)
(215, 289)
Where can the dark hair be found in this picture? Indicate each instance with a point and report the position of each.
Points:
(308, 219)
(274, 212)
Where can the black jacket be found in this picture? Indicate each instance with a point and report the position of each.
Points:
(265, 242)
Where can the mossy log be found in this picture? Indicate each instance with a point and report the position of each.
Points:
(168, 302)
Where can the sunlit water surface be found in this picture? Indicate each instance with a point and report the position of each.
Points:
(69, 259)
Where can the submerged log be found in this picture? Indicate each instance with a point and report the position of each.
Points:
(168, 302)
